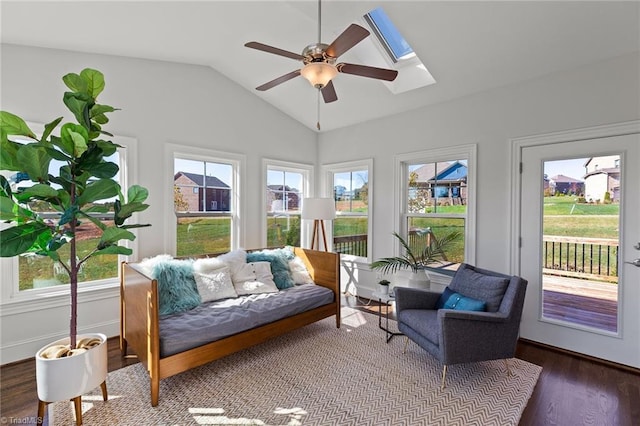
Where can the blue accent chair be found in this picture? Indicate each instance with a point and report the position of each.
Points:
(458, 336)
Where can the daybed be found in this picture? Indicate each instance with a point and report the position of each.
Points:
(169, 344)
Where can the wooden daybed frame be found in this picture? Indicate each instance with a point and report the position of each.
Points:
(139, 320)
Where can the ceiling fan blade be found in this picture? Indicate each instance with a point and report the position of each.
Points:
(366, 71)
(329, 93)
(274, 50)
(278, 80)
(353, 35)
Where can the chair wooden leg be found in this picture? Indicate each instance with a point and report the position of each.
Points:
(103, 386)
(42, 407)
(77, 403)
(508, 367)
(406, 343)
(444, 378)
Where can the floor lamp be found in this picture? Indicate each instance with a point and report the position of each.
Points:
(318, 210)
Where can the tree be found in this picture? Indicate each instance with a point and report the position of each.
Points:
(84, 178)
(178, 200)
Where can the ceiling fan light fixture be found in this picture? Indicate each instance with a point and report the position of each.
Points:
(319, 74)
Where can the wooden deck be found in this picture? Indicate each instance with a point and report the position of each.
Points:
(589, 303)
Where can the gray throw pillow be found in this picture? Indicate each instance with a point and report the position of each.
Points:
(488, 288)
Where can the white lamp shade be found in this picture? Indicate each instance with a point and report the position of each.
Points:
(318, 208)
(319, 74)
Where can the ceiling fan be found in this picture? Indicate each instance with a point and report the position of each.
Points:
(319, 61)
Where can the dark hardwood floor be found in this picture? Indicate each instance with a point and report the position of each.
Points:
(571, 390)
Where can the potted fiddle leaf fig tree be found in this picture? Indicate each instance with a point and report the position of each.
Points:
(417, 261)
(83, 186)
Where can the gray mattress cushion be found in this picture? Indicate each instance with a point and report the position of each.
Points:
(215, 320)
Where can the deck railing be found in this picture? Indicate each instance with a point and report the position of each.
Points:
(355, 245)
(581, 257)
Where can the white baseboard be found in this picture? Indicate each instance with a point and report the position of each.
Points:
(27, 348)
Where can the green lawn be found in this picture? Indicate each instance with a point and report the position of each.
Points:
(568, 205)
(203, 235)
(440, 228)
(283, 231)
(41, 268)
(563, 216)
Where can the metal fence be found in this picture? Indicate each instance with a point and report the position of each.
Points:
(581, 257)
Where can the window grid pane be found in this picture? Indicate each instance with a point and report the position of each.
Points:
(422, 231)
(200, 235)
(39, 271)
(350, 228)
(284, 196)
(202, 201)
(437, 187)
(436, 205)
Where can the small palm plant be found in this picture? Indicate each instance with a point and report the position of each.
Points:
(431, 253)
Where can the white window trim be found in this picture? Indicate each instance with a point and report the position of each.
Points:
(307, 171)
(186, 152)
(328, 170)
(13, 301)
(461, 152)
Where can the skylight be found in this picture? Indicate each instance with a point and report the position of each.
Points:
(393, 42)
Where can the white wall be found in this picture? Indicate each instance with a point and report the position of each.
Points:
(161, 103)
(607, 92)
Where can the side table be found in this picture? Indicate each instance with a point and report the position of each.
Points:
(387, 300)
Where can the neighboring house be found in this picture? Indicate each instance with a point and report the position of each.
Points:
(565, 185)
(282, 198)
(602, 176)
(200, 194)
(446, 182)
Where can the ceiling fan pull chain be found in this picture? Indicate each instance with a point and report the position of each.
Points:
(318, 123)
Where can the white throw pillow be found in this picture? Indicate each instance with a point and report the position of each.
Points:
(208, 265)
(299, 271)
(147, 264)
(235, 260)
(215, 285)
(254, 278)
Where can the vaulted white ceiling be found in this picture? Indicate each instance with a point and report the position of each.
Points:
(468, 47)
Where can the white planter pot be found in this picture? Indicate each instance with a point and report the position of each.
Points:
(383, 289)
(66, 378)
(420, 280)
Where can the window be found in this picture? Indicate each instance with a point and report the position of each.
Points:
(203, 201)
(351, 185)
(437, 198)
(389, 49)
(38, 273)
(287, 185)
(393, 42)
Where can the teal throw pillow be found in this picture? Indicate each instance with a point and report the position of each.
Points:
(279, 260)
(177, 289)
(449, 299)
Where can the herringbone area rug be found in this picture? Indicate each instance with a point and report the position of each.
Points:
(318, 375)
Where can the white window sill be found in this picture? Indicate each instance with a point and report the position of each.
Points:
(28, 301)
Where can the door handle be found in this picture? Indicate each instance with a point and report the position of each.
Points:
(635, 262)
(637, 246)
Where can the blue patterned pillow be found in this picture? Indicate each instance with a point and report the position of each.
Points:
(177, 289)
(279, 260)
(452, 300)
